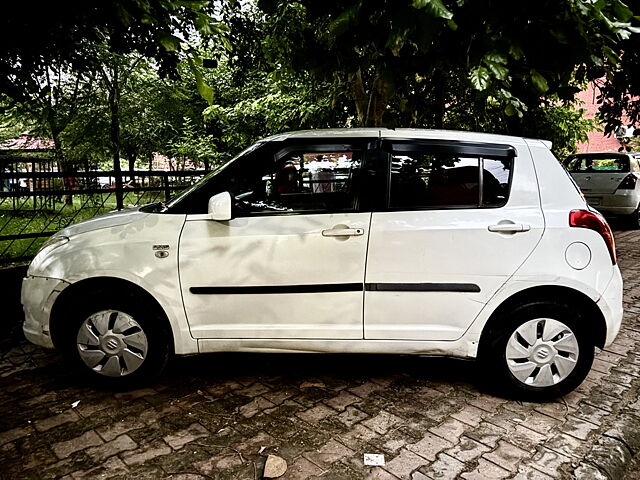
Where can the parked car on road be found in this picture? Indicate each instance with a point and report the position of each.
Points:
(609, 182)
(406, 241)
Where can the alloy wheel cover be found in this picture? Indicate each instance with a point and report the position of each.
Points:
(542, 352)
(112, 343)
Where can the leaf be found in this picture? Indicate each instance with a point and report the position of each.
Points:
(435, 7)
(494, 57)
(169, 42)
(204, 24)
(515, 51)
(341, 24)
(480, 78)
(204, 90)
(496, 62)
(539, 81)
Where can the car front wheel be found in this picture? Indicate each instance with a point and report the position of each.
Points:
(119, 344)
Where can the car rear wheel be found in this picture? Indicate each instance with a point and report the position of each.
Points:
(541, 351)
(117, 343)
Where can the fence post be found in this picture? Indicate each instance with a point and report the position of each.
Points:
(167, 193)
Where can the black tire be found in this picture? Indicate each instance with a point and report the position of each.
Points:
(542, 316)
(143, 322)
(633, 220)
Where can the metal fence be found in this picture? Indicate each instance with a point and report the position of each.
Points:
(34, 205)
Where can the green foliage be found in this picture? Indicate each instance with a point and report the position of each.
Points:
(196, 146)
(487, 65)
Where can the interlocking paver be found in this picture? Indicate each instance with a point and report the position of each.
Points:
(181, 438)
(506, 455)
(485, 470)
(66, 448)
(51, 422)
(405, 463)
(322, 414)
(429, 446)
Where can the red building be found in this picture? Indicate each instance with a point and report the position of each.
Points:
(597, 141)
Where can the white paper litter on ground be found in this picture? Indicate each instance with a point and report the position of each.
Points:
(374, 459)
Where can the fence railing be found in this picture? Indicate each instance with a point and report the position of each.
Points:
(34, 205)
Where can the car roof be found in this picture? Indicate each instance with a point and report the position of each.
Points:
(399, 133)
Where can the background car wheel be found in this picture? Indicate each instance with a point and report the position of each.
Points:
(118, 343)
(634, 219)
(539, 350)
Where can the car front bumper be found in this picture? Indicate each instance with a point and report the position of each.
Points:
(37, 297)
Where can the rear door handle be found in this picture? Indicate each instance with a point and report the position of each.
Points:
(509, 228)
(343, 232)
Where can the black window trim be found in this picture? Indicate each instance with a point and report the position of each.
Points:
(489, 150)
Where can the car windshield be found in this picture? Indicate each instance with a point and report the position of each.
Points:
(598, 164)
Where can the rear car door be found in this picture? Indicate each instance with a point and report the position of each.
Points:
(461, 218)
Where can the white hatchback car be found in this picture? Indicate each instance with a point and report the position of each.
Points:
(609, 182)
(396, 241)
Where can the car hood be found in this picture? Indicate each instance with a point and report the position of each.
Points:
(111, 219)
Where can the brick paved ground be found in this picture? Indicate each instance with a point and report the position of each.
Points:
(219, 416)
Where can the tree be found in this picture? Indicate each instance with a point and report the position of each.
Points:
(195, 145)
(414, 59)
(66, 31)
(49, 107)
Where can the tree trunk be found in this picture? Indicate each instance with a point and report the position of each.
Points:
(438, 89)
(114, 107)
(378, 103)
(370, 107)
(359, 95)
(68, 182)
(131, 157)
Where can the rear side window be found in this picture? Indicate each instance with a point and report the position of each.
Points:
(440, 180)
(595, 165)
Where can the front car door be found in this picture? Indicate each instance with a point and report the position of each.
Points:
(290, 264)
(454, 231)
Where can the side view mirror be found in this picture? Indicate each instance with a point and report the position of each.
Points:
(219, 207)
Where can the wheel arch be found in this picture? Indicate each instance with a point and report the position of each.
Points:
(552, 293)
(109, 285)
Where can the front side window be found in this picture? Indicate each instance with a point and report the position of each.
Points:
(442, 180)
(300, 180)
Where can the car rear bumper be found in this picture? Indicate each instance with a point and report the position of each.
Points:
(37, 297)
(623, 202)
(610, 304)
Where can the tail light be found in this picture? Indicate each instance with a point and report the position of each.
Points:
(628, 183)
(595, 221)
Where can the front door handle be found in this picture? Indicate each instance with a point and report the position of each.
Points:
(509, 228)
(343, 232)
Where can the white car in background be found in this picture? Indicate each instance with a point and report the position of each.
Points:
(609, 182)
(464, 244)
